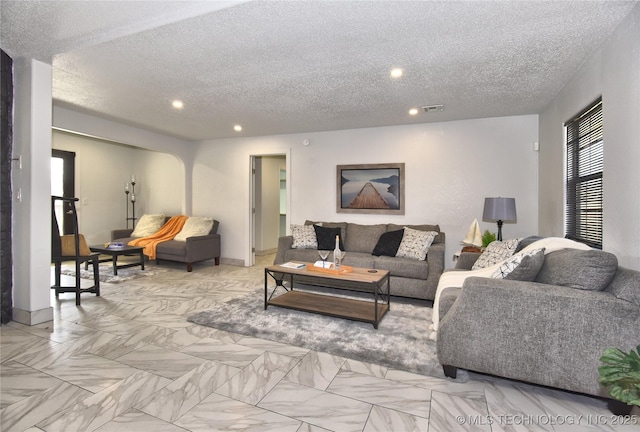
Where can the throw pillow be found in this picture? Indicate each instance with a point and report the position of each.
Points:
(194, 227)
(388, 243)
(304, 237)
(495, 252)
(415, 244)
(68, 245)
(523, 266)
(582, 269)
(148, 224)
(326, 237)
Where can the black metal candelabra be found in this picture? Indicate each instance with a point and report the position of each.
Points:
(133, 202)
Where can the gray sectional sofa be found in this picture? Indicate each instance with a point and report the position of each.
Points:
(194, 249)
(550, 331)
(409, 277)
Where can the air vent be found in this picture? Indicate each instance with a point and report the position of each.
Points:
(433, 108)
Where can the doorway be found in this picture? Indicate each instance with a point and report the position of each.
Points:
(269, 203)
(63, 175)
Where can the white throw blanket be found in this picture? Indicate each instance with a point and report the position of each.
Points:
(455, 279)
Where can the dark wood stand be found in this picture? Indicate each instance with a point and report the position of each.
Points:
(115, 253)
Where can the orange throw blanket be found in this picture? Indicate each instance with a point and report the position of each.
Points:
(168, 231)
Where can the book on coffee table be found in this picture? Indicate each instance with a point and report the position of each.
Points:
(293, 265)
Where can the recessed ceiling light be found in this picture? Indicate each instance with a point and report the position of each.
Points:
(413, 111)
(177, 104)
(237, 128)
(396, 73)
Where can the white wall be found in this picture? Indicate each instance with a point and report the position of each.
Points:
(161, 183)
(614, 73)
(450, 168)
(102, 169)
(103, 129)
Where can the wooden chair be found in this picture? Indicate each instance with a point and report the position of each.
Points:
(71, 247)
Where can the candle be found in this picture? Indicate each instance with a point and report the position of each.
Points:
(126, 187)
(133, 178)
(133, 198)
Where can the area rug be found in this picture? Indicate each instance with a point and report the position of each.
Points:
(106, 272)
(400, 342)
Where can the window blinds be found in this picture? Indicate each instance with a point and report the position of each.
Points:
(585, 151)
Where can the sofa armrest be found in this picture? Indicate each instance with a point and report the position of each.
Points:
(284, 244)
(121, 233)
(545, 334)
(466, 260)
(204, 247)
(435, 261)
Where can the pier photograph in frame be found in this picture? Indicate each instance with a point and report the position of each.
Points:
(370, 188)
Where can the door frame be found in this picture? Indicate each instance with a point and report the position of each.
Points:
(250, 255)
(68, 185)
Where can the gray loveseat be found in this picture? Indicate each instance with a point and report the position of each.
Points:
(409, 277)
(194, 249)
(550, 331)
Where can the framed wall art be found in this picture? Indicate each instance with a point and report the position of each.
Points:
(370, 188)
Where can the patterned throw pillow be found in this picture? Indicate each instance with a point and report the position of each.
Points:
(523, 266)
(415, 244)
(494, 253)
(304, 237)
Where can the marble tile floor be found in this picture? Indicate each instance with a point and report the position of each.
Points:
(130, 361)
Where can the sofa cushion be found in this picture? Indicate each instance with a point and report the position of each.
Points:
(326, 237)
(425, 227)
(582, 269)
(495, 252)
(194, 227)
(359, 259)
(403, 267)
(388, 243)
(172, 247)
(363, 238)
(148, 225)
(305, 255)
(304, 237)
(523, 266)
(415, 244)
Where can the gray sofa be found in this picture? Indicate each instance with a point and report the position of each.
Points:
(195, 249)
(409, 277)
(550, 331)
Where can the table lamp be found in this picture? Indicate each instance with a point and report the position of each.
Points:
(499, 210)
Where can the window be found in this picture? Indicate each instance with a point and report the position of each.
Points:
(585, 151)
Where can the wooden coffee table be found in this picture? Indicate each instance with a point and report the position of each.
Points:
(115, 253)
(359, 279)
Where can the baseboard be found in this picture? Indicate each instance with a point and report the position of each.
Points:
(32, 317)
(232, 261)
(266, 252)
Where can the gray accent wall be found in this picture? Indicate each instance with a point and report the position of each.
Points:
(612, 72)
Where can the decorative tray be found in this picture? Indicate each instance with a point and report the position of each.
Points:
(342, 269)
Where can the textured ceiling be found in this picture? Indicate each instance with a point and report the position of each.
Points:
(302, 66)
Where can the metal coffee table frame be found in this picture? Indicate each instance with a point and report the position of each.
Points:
(361, 280)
